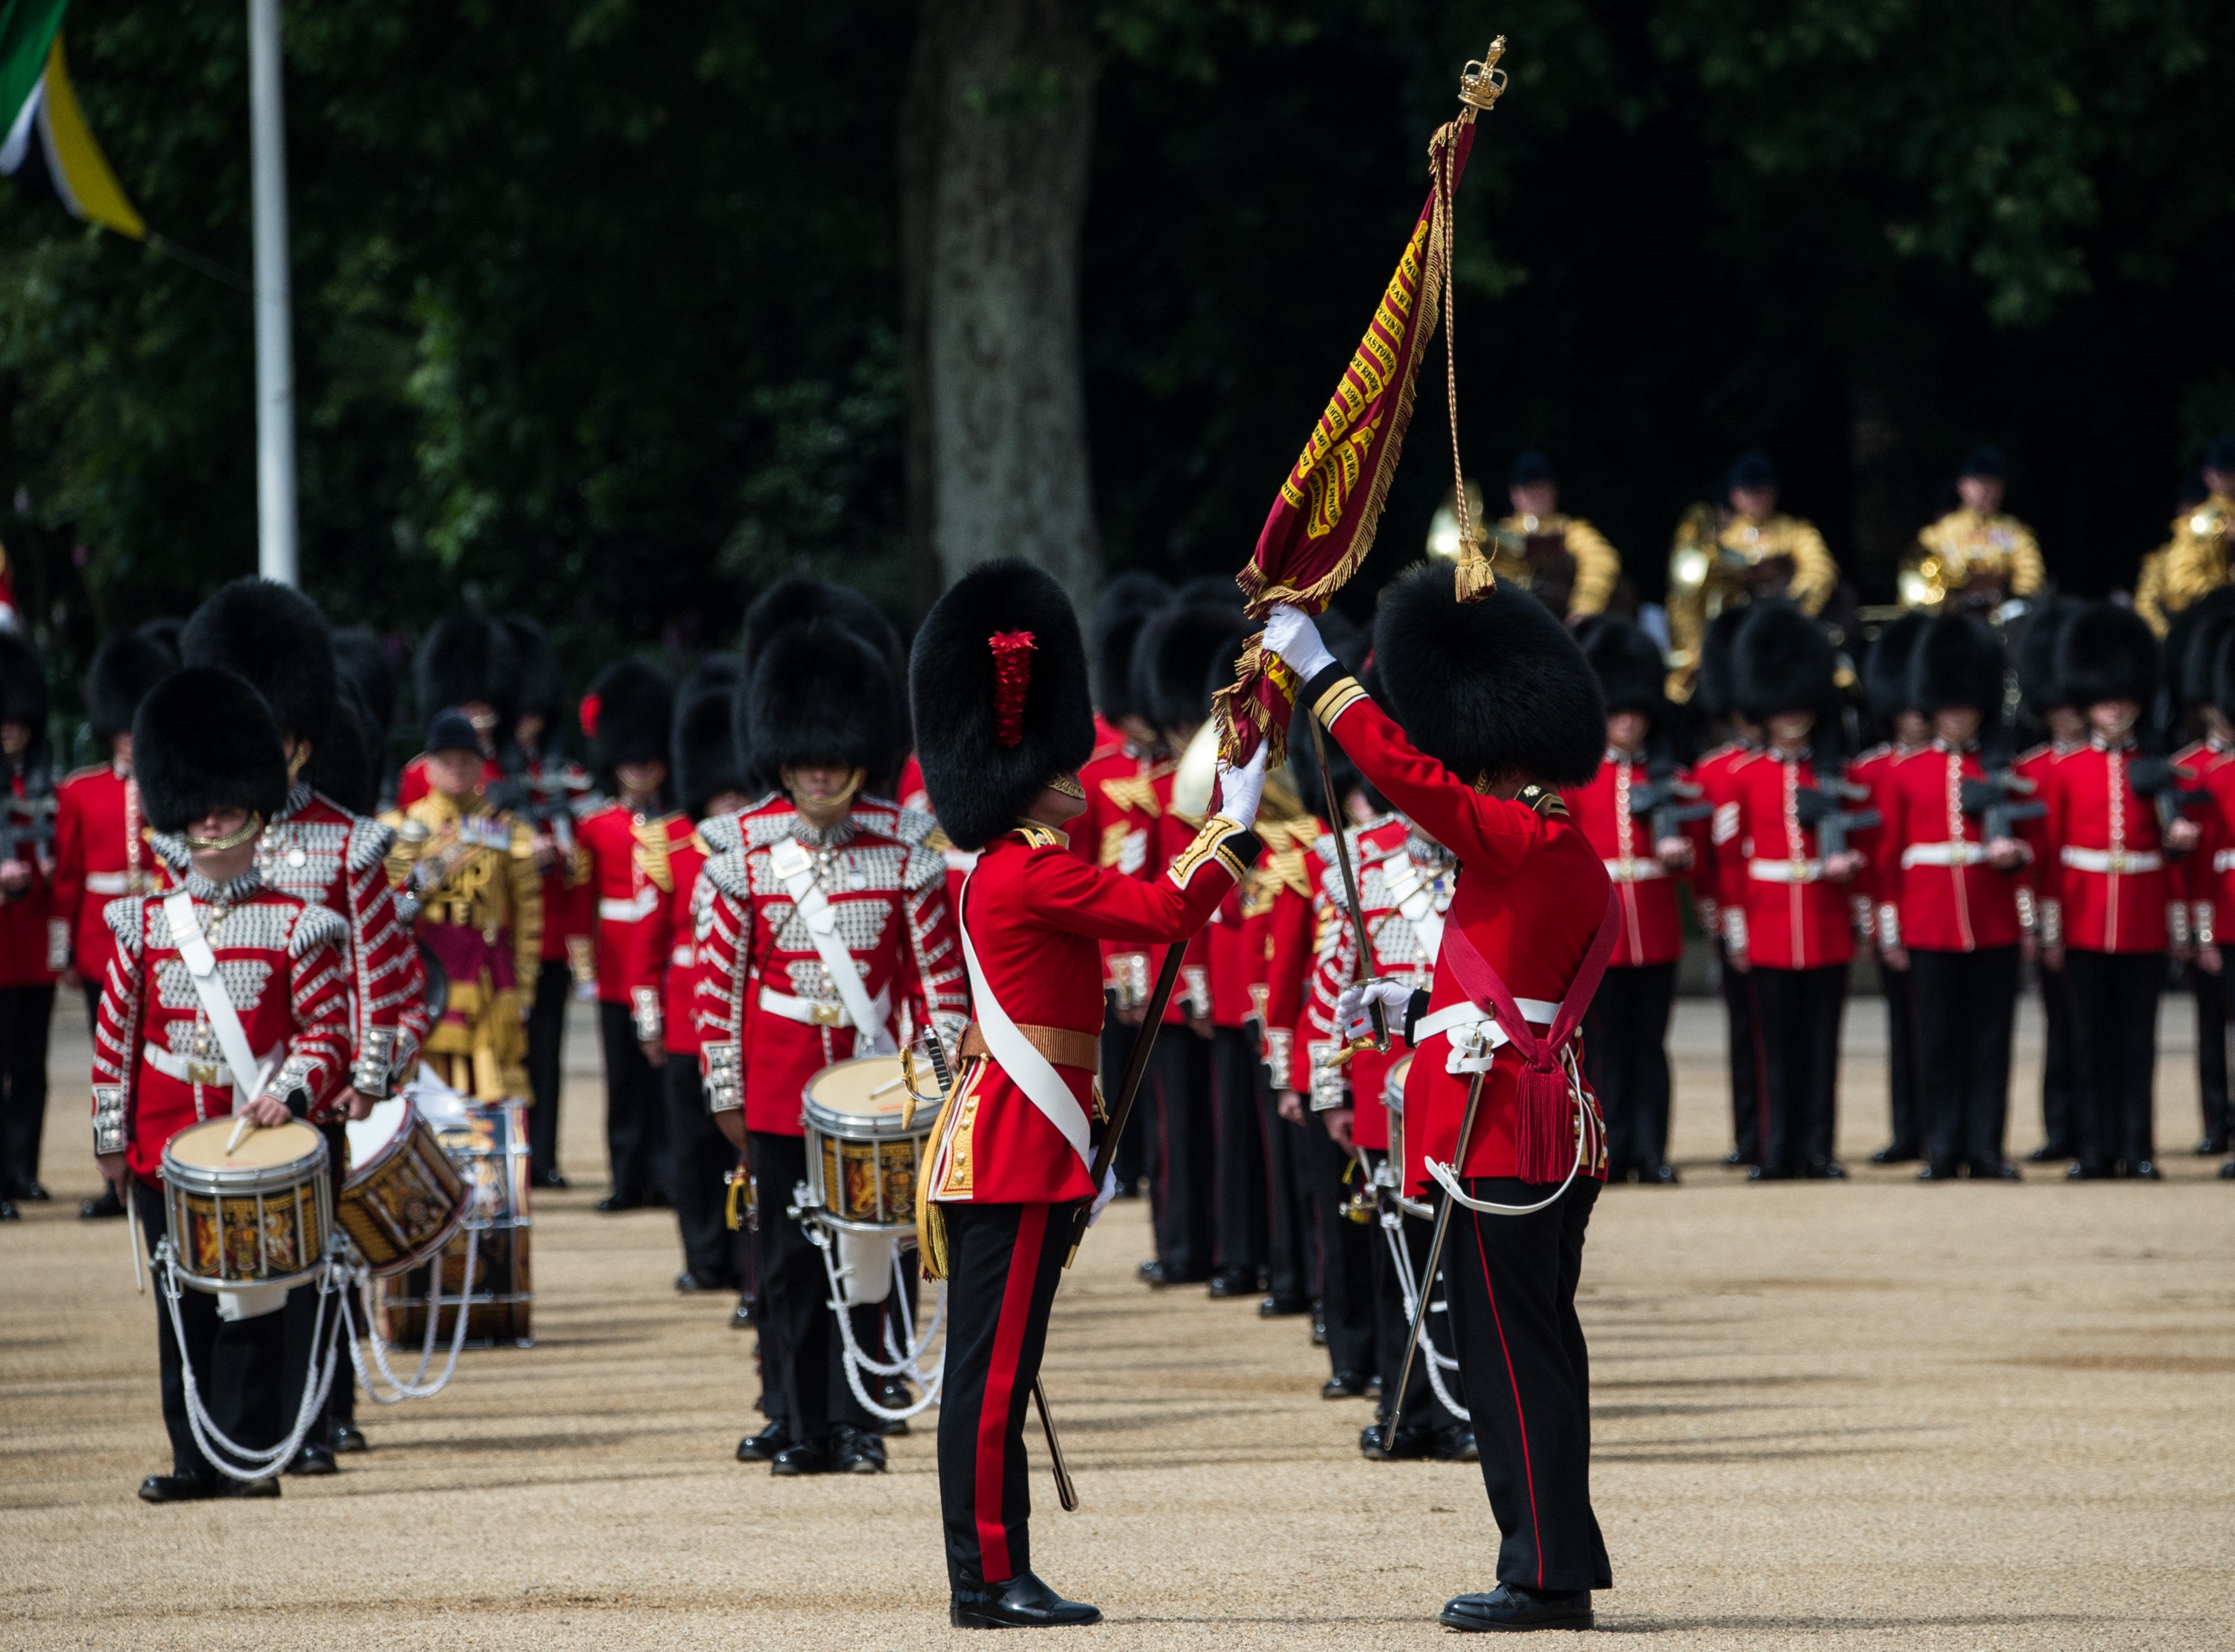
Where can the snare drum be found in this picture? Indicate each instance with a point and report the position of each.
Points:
(403, 1196)
(1392, 1095)
(863, 1150)
(257, 1216)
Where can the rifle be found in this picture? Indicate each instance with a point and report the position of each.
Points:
(549, 800)
(29, 819)
(1994, 801)
(1666, 801)
(1822, 806)
(2161, 781)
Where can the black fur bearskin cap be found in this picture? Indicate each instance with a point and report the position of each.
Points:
(2191, 648)
(1173, 660)
(542, 683)
(708, 757)
(1633, 676)
(1886, 675)
(124, 668)
(204, 739)
(2223, 674)
(820, 693)
(2106, 652)
(348, 765)
(1957, 661)
(2038, 683)
(628, 713)
(1125, 606)
(274, 636)
(993, 727)
(1488, 687)
(23, 697)
(466, 658)
(1716, 692)
(1781, 661)
(789, 603)
(364, 668)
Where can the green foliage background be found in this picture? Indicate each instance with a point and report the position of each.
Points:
(598, 304)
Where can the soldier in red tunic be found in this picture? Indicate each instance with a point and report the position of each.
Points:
(211, 771)
(1886, 690)
(1002, 722)
(2192, 646)
(2112, 919)
(1631, 814)
(101, 833)
(28, 958)
(2216, 850)
(1503, 711)
(2045, 697)
(1712, 774)
(628, 715)
(1791, 903)
(825, 935)
(1949, 866)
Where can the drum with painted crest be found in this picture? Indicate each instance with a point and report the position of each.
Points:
(487, 1141)
(259, 1215)
(865, 1139)
(404, 1196)
(1392, 1095)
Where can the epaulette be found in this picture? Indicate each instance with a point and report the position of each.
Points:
(85, 774)
(924, 867)
(124, 917)
(173, 848)
(315, 926)
(370, 841)
(728, 873)
(720, 835)
(759, 831)
(1883, 748)
(1037, 836)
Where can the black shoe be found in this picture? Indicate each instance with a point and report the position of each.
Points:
(1736, 1160)
(1023, 1602)
(176, 1488)
(1150, 1270)
(1234, 1281)
(1995, 1170)
(741, 1316)
(655, 1200)
(1825, 1170)
(691, 1281)
(345, 1437)
(1763, 1173)
(1410, 1446)
(855, 1451)
(8, 1212)
(1656, 1175)
(893, 1394)
(614, 1202)
(314, 1459)
(1896, 1152)
(1158, 1274)
(1374, 1387)
(1283, 1307)
(807, 1458)
(2211, 1147)
(33, 1193)
(1345, 1385)
(100, 1208)
(2143, 1171)
(1455, 1445)
(1512, 1609)
(2082, 1171)
(552, 1178)
(764, 1446)
(228, 1486)
(2049, 1152)
(1318, 1326)
(1937, 1172)
(2227, 1170)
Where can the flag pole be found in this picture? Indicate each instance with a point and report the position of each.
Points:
(275, 352)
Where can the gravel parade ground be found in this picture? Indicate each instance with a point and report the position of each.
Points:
(1870, 1415)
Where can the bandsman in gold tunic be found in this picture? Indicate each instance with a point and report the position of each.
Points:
(1975, 558)
(2196, 560)
(472, 869)
(1720, 561)
(2149, 577)
(1563, 559)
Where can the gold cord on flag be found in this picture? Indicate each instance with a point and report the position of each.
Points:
(1479, 86)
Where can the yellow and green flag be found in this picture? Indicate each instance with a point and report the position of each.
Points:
(46, 131)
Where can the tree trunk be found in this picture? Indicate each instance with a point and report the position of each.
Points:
(994, 132)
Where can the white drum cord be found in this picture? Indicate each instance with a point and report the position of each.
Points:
(226, 1455)
(1448, 1180)
(358, 1280)
(1401, 1253)
(907, 1361)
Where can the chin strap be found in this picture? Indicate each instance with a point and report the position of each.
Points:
(230, 841)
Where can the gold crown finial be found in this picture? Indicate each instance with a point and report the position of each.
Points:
(1481, 82)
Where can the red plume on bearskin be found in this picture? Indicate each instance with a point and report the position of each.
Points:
(1013, 680)
(588, 714)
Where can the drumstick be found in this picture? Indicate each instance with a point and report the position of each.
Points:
(138, 1278)
(239, 1130)
(890, 1084)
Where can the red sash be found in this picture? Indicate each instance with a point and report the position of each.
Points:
(1543, 1135)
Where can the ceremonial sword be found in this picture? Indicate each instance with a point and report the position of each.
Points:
(1435, 1261)
(1362, 965)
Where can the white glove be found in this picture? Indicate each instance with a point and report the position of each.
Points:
(1290, 634)
(1241, 790)
(1353, 1006)
(1102, 1199)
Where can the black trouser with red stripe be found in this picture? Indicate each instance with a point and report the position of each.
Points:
(803, 1352)
(1182, 1186)
(1906, 1054)
(2212, 1053)
(238, 1363)
(1239, 1151)
(1423, 1414)
(2115, 1052)
(1003, 1262)
(1289, 1236)
(1346, 1263)
(1799, 1011)
(1626, 1052)
(1749, 1093)
(1965, 1006)
(1512, 1281)
(2060, 1131)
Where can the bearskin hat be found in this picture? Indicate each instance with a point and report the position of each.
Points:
(2191, 648)
(542, 684)
(124, 668)
(1125, 606)
(204, 739)
(1717, 693)
(1488, 686)
(1179, 648)
(789, 603)
(1211, 590)
(465, 658)
(708, 757)
(276, 638)
(1781, 661)
(1956, 660)
(820, 693)
(1633, 676)
(24, 692)
(349, 764)
(997, 716)
(2223, 674)
(2106, 652)
(165, 633)
(628, 715)
(365, 667)
(2038, 683)
(1886, 675)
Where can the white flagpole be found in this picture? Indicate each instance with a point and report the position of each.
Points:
(275, 353)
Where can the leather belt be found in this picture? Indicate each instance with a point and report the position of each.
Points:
(820, 1012)
(1634, 871)
(1464, 1013)
(189, 1071)
(629, 912)
(2113, 861)
(110, 883)
(1784, 872)
(1950, 853)
(1059, 1044)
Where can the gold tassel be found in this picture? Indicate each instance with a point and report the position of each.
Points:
(1471, 579)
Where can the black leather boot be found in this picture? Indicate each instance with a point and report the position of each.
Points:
(1022, 1603)
(1507, 1607)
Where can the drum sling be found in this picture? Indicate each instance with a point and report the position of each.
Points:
(794, 870)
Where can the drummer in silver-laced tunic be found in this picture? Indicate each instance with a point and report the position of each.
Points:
(824, 934)
(211, 772)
